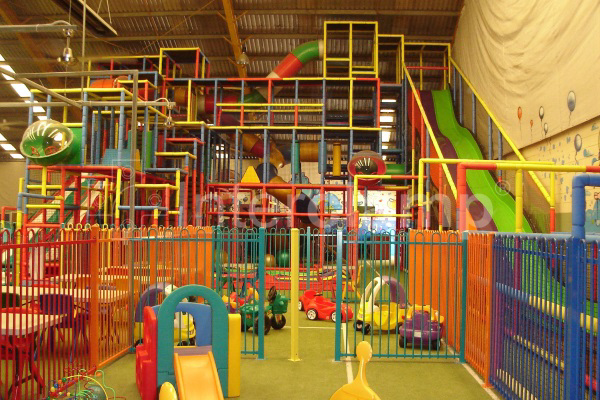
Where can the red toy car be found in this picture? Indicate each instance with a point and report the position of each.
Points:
(319, 307)
(306, 298)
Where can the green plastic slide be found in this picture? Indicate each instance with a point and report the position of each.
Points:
(499, 203)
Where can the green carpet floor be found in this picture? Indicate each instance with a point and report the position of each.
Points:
(317, 376)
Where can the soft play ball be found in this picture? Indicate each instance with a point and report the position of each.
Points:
(96, 392)
(283, 259)
(269, 261)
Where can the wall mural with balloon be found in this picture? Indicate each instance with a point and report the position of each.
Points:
(579, 145)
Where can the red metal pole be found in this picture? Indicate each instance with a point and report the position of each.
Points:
(461, 185)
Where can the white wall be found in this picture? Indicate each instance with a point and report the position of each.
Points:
(10, 172)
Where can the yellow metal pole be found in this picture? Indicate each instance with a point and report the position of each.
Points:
(445, 65)
(552, 189)
(295, 265)
(106, 192)
(449, 58)
(189, 101)
(350, 104)
(44, 179)
(337, 159)
(350, 66)
(519, 201)
(376, 50)
(118, 196)
(177, 187)
(17, 280)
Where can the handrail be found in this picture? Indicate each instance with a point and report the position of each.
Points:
(514, 148)
(431, 134)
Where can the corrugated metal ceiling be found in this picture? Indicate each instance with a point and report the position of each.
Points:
(270, 29)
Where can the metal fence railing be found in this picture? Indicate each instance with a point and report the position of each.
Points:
(408, 297)
(529, 335)
(479, 303)
(49, 326)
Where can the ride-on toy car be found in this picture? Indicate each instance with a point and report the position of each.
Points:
(422, 329)
(306, 298)
(385, 316)
(275, 309)
(317, 306)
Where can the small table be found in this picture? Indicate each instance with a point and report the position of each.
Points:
(29, 293)
(24, 328)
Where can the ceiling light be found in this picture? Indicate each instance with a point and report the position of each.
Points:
(8, 146)
(386, 127)
(243, 58)
(67, 56)
(2, 138)
(386, 118)
(385, 146)
(16, 155)
(42, 117)
(385, 136)
(21, 89)
(388, 100)
(388, 110)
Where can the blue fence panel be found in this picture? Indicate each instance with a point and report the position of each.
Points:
(545, 317)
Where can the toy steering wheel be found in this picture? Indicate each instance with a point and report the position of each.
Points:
(272, 295)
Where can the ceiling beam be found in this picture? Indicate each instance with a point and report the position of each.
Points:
(303, 36)
(234, 37)
(254, 11)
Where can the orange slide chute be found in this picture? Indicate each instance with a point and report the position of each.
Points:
(197, 377)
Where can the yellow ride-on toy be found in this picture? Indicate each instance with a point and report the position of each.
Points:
(385, 316)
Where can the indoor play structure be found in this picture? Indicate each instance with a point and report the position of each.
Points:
(156, 182)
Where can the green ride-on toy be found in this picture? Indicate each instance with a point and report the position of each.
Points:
(275, 309)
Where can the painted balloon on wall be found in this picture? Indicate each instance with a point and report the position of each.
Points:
(571, 101)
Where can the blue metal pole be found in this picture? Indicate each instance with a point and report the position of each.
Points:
(463, 301)
(499, 150)
(460, 99)
(454, 86)
(145, 130)
(30, 113)
(111, 138)
(474, 116)
(93, 140)
(338, 297)
(426, 212)
(49, 108)
(490, 143)
(261, 291)
(121, 142)
(84, 119)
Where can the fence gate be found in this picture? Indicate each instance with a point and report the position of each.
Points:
(229, 261)
(403, 292)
